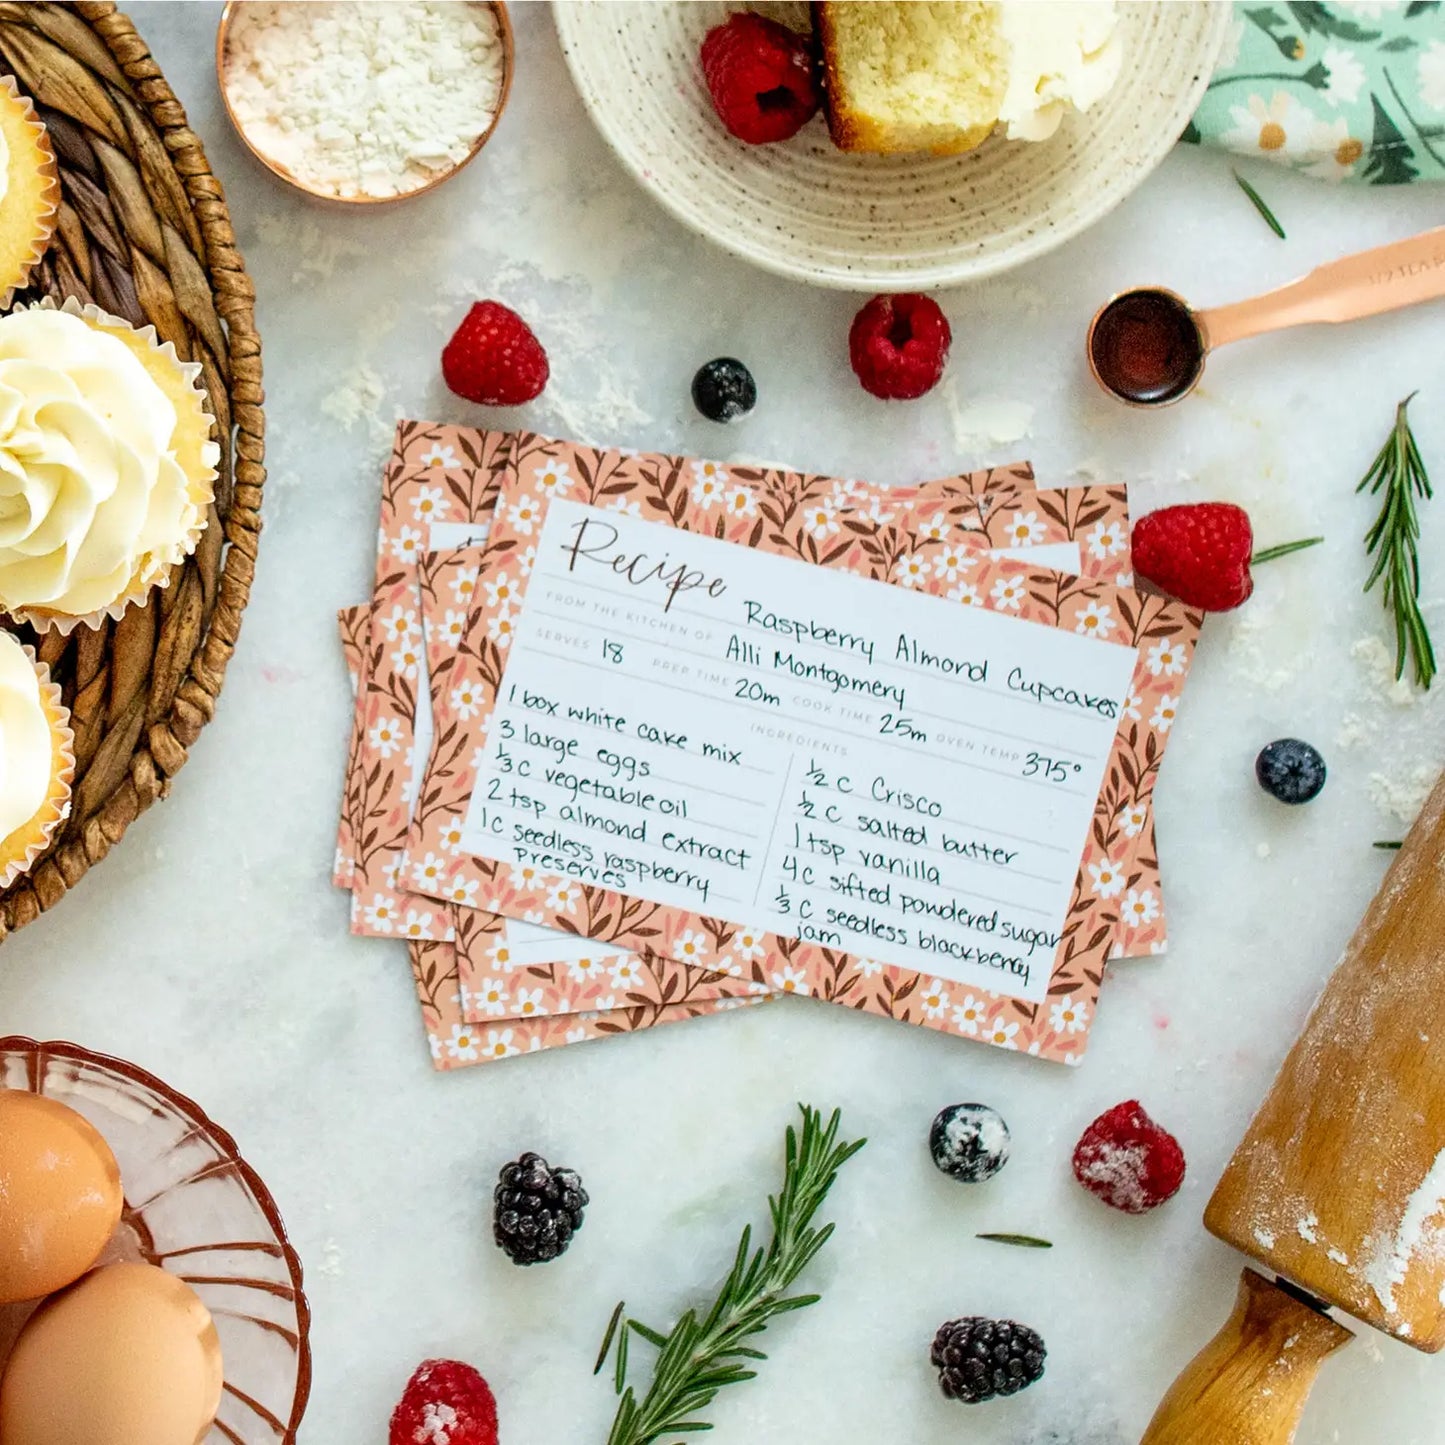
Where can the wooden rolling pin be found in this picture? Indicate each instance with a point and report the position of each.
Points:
(1339, 1185)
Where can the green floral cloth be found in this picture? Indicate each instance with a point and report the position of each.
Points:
(1346, 92)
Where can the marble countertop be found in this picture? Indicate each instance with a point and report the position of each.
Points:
(212, 949)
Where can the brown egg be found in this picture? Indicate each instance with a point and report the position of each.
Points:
(60, 1196)
(128, 1356)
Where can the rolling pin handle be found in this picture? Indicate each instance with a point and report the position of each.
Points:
(1249, 1384)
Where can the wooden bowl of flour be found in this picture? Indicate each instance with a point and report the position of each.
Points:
(291, 82)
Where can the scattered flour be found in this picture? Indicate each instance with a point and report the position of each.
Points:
(359, 398)
(316, 253)
(1354, 732)
(1261, 850)
(330, 1258)
(1403, 794)
(1420, 1227)
(1308, 1228)
(1379, 664)
(987, 421)
(1263, 1238)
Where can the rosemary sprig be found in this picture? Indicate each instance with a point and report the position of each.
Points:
(1399, 472)
(700, 1356)
(1283, 549)
(1260, 206)
(1389, 846)
(1022, 1241)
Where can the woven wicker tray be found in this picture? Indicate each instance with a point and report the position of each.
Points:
(144, 233)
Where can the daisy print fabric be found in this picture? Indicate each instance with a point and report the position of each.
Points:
(1344, 92)
(781, 528)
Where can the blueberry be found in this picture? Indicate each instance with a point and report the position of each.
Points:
(724, 389)
(1290, 770)
(969, 1142)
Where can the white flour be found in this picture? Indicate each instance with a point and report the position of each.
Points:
(361, 99)
(1419, 1229)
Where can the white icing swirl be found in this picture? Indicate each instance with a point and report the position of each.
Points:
(25, 745)
(89, 483)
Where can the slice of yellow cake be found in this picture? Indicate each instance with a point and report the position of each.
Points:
(939, 75)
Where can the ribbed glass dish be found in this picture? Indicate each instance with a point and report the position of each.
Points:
(194, 1207)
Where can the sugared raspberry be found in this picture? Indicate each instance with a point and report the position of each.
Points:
(445, 1403)
(898, 345)
(760, 77)
(494, 358)
(1198, 552)
(1128, 1161)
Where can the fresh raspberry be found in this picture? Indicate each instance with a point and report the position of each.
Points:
(1128, 1161)
(445, 1403)
(898, 345)
(1197, 552)
(760, 77)
(494, 358)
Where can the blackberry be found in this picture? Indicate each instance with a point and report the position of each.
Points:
(979, 1358)
(969, 1142)
(538, 1209)
(724, 389)
(1290, 770)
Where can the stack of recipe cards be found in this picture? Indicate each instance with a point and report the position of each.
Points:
(641, 738)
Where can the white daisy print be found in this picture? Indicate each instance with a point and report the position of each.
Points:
(451, 834)
(1163, 716)
(1132, 707)
(727, 964)
(1132, 817)
(391, 873)
(401, 626)
(911, 570)
(705, 471)
(876, 512)
(933, 529)
(1334, 151)
(821, 520)
(1344, 75)
(381, 915)
(869, 966)
(491, 996)
(464, 584)
(1278, 129)
(462, 1045)
(790, 980)
(748, 942)
(500, 591)
(584, 970)
(951, 561)
(1025, 530)
(386, 736)
(407, 659)
(1069, 1015)
(626, 972)
(1107, 539)
(454, 626)
(500, 628)
(428, 873)
(1430, 74)
(527, 1004)
(1166, 658)
(526, 560)
(436, 455)
(524, 877)
(709, 484)
(617, 504)
(409, 779)
(968, 1015)
(524, 515)
(934, 999)
(576, 1035)
(966, 593)
(690, 948)
(429, 505)
(741, 502)
(500, 955)
(1095, 620)
(564, 897)
(1000, 1034)
(466, 699)
(1140, 907)
(406, 546)
(1008, 593)
(1108, 878)
(553, 478)
(499, 1044)
(418, 924)
(604, 1004)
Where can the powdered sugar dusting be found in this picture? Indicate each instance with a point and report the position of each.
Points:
(436, 1425)
(1118, 1172)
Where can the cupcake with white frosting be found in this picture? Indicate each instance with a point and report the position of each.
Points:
(107, 469)
(36, 759)
(29, 189)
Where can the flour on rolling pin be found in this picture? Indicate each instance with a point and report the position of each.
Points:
(1340, 1183)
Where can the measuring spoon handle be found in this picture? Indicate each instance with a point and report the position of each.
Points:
(1364, 284)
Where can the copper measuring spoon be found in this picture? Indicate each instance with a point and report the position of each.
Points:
(1147, 346)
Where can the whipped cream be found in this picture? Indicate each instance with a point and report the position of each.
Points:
(25, 746)
(91, 493)
(1062, 53)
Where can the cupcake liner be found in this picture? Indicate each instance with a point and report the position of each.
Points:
(196, 452)
(19, 852)
(43, 176)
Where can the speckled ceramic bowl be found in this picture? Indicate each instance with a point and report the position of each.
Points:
(878, 223)
(195, 1207)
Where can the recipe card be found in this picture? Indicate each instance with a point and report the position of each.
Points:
(876, 796)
